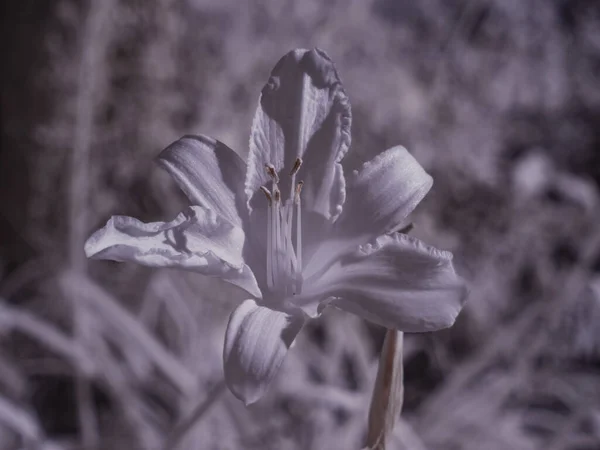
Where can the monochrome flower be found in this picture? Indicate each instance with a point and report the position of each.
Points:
(288, 227)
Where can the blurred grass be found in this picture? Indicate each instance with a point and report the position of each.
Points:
(498, 99)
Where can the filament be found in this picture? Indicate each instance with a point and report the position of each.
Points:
(284, 262)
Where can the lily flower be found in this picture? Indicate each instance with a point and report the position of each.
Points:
(287, 226)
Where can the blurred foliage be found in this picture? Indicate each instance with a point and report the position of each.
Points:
(498, 99)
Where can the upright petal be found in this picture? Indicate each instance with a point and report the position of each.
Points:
(256, 342)
(198, 239)
(383, 193)
(210, 173)
(399, 282)
(303, 112)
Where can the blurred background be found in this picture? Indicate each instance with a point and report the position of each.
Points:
(498, 99)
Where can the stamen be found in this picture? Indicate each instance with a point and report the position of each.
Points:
(284, 262)
(267, 194)
(279, 249)
(284, 248)
(298, 191)
(288, 262)
(270, 280)
(296, 167)
(270, 168)
(298, 203)
(275, 242)
(289, 211)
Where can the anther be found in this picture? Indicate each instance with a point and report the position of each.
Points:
(267, 194)
(270, 168)
(277, 194)
(296, 167)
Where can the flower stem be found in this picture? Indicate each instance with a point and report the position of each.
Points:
(388, 393)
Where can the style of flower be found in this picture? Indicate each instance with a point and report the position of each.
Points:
(296, 235)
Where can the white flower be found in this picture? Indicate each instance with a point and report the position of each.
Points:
(295, 246)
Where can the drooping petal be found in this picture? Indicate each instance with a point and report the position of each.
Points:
(210, 173)
(398, 282)
(383, 193)
(256, 342)
(198, 239)
(303, 112)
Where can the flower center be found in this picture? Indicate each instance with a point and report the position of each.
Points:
(284, 256)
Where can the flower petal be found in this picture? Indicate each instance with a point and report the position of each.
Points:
(384, 192)
(256, 342)
(400, 283)
(210, 173)
(303, 112)
(198, 239)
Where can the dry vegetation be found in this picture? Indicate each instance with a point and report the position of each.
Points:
(498, 99)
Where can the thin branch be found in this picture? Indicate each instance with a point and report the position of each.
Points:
(11, 378)
(120, 321)
(118, 383)
(88, 422)
(25, 274)
(46, 335)
(324, 395)
(183, 428)
(19, 420)
(26, 425)
(94, 43)
(506, 340)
